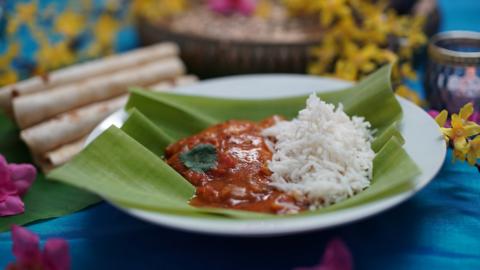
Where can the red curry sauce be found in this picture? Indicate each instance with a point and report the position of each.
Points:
(240, 179)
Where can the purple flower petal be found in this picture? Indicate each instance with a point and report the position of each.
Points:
(25, 247)
(475, 117)
(221, 6)
(246, 7)
(15, 180)
(56, 255)
(336, 257)
(4, 172)
(226, 7)
(11, 205)
(7, 188)
(433, 113)
(22, 176)
(12, 266)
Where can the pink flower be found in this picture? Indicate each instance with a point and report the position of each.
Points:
(227, 7)
(336, 257)
(26, 248)
(433, 113)
(15, 180)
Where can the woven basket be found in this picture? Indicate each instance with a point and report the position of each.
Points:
(208, 57)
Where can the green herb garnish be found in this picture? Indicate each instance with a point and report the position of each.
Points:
(200, 158)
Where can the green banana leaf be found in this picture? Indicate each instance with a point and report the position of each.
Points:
(45, 199)
(125, 166)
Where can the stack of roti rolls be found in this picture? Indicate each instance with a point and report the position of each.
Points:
(55, 112)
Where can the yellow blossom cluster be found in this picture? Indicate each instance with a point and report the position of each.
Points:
(360, 36)
(155, 9)
(8, 75)
(463, 135)
(68, 25)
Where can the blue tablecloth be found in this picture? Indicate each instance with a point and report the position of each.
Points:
(439, 228)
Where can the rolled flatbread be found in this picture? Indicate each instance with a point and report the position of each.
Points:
(185, 80)
(35, 108)
(83, 71)
(64, 153)
(161, 86)
(168, 85)
(70, 126)
(44, 165)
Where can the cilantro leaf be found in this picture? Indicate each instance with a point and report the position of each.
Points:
(200, 158)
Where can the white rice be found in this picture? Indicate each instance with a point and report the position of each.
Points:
(323, 155)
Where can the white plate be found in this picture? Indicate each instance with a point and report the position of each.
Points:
(423, 143)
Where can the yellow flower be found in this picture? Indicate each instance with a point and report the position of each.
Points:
(54, 56)
(416, 37)
(263, 8)
(69, 23)
(327, 10)
(297, 7)
(460, 144)
(375, 25)
(331, 9)
(461, 133)
(346, 70)
(356, 61)
(8, 77)
(409, 94)
(112, 5)
(105, 30)
(345, 30)
(365, 34)
(458, 155)
(7, 57)
(441, 118)
(461, 129)
(473, 151)
(327, 52)
(407, 71)
(26, 12)
(172, 7)
(12, 25)
(155, 9)
(466, 111)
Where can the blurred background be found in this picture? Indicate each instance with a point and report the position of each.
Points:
(346, 39)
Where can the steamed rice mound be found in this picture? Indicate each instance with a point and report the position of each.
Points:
(323, 155)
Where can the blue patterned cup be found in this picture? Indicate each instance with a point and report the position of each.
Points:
(453, 71)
